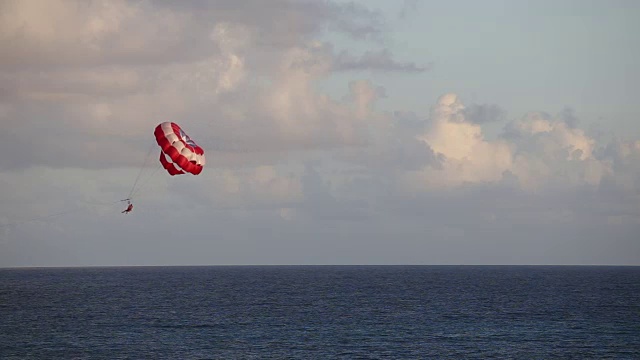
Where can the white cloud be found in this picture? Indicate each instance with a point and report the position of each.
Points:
(468, 156)
(537, 150)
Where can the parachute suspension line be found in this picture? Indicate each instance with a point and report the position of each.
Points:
(141, 170)
(146, 181)
(102, 203)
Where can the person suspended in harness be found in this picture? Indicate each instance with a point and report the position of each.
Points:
(128, 209)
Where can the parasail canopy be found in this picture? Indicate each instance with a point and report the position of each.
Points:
(179, 154)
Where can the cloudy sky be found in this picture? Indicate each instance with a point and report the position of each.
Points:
(335, 132)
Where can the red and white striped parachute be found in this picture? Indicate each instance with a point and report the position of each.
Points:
(179, 154)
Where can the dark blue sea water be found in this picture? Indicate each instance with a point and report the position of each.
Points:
(321, 312)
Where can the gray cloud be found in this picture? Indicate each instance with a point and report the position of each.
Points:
(72, 35)
(320, 204)
(357, 21)
(409, 7)
(103, 83)
(568, 116)
(283, 20)
(472, 224)
(377, 61)
(484, 113)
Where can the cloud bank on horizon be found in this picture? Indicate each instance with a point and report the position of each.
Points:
(295, 174)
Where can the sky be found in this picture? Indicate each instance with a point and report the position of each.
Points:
(335, 132)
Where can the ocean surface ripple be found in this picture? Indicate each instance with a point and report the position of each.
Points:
(321, 312)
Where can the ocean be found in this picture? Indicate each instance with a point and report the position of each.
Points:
(321, 312)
